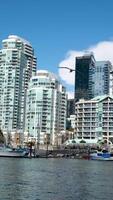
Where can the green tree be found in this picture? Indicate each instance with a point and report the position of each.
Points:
(2, 139)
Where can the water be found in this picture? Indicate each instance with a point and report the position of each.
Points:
(55, 179)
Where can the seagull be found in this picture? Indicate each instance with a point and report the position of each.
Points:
(71, 70)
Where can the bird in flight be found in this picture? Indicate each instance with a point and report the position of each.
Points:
(71, 70)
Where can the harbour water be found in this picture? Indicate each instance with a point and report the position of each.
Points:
(55, 179)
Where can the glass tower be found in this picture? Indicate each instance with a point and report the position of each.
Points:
(70, 107)
(83, 76)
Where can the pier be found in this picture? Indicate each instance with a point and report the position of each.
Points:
(77, 152)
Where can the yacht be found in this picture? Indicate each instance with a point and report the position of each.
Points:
(102, 155)
(13, 152)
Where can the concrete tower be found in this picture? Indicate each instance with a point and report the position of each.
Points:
(17, 65)
(45, 107)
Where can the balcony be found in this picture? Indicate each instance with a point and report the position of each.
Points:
(86, 134)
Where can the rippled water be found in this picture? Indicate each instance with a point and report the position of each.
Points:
(55, 179)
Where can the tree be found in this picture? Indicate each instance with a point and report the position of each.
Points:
(2, 138)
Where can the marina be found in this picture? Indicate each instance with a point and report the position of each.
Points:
(82, 151)
(77, 153)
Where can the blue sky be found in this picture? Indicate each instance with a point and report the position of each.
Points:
(55, 27)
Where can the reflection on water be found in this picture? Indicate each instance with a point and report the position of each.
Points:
(55, 179)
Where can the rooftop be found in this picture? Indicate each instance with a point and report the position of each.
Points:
(16, 38)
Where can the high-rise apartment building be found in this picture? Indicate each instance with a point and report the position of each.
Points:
(45, 107)
(70, 107)
(101, 78)
(17, 65)
(83, 76)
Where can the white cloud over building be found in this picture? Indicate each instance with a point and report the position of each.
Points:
(102, 51)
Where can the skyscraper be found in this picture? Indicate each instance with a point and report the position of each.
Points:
(83, 76)
(101, 78)
(70, 107)
(45, 107)
(17, 65)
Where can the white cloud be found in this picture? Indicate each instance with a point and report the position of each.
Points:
(69, 61)
(102, 51)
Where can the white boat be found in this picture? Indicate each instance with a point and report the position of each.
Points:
(10, 152)
(102, 155)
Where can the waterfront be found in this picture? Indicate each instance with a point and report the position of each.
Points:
(55, 179)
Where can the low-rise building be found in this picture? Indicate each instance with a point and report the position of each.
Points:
(94, 119)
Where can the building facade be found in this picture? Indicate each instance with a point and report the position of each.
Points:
(83, 76)
(45, 107)
(92, 78)
(94, 119)
(101, 78)
(70, 107)
(70, 123)
(17, 65)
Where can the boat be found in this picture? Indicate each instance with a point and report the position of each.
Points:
(13, 152)
(102, 155)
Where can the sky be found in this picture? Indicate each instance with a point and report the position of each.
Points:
(60, 30)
